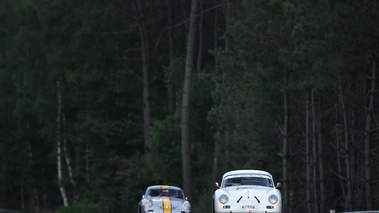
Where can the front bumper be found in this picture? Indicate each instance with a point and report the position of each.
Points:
(248, 212)
(248, 209)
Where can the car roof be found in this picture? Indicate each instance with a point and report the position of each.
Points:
(239, 172)
(163, 187)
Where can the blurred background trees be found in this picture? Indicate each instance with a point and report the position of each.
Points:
(286, 86)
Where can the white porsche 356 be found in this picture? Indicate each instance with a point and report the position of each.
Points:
(247, 191)
(164, 199)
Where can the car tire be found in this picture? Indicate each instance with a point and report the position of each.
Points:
(213, 206)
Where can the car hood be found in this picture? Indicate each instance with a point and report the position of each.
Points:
(160, 201)
(246, 193)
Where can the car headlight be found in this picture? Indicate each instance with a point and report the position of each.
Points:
(147, 205)
(273, 199)
(223, 199)
(186, 207)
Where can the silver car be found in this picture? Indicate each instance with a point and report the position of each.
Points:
(164, 199)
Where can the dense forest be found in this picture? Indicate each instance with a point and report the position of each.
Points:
(100, 99)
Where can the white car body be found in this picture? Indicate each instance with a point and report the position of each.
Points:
(247, 191)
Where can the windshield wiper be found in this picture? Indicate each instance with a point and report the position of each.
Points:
(257, 199)
(239, 199)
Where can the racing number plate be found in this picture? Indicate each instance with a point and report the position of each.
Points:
(248, 207)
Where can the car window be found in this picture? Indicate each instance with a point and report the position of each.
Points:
(247, 180)
(165, 193)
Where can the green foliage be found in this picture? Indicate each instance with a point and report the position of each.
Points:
(134, 176)
(81, 208)
(205, 202)
(165, 162)
(174, 74)
(93, 49)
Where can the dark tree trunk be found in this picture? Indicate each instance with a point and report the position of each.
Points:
(285, 155)
(321, 160)
(308, 154)
(316, 199)
(368, 132)
(145, 52)
(200, 50)
(348, 199)
(186, 152)
(171, 102)
(219, 125)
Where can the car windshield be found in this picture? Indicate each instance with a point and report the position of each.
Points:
(256, 180)
(165, 193)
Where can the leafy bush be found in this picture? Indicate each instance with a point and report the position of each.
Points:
(80, 208)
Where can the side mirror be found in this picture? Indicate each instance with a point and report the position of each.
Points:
(278, 184)
(143, 196)
(216, 184)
